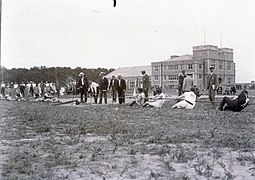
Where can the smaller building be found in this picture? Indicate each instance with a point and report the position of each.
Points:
(132, 75)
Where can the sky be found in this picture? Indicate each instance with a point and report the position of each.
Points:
(93, 33)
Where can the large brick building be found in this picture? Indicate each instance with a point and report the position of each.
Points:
(165, 73)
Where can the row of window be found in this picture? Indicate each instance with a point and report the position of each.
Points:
(174, 67)
(190, 66)
(175, 77)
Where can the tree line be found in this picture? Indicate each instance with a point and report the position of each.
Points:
(49, 74)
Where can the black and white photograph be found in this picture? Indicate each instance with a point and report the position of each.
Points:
(127, 89)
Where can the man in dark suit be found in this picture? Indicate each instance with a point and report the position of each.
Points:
(113, 87)
(236, 104)
(121, 89)
(103, 87)
(83, 85)
(211, 85)
(146, 85)
(181, 77)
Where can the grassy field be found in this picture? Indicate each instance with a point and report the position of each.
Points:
(42, 141)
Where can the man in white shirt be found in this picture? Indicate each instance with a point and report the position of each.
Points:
(94, 90)
(188, 100)
(139, 98)
(158, 100)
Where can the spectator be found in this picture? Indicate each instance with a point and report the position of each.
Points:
(113, 87)
(146, 85)
(121, 89)
(103, 87)
(211, 85)
(187, 83)
(83, 86)
(181, 77)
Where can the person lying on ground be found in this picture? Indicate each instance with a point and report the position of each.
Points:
(188, 100)
(236, 104)
(19, 97)
(139, 98)
(157, 101)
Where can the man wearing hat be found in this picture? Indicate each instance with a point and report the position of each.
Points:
(83, 85)
(103, 86)
(211, 84)
(146, 85)
(121, 89)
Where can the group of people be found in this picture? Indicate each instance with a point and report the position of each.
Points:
(188, 94)
(187, 91)
(117, 87)
(30, 89)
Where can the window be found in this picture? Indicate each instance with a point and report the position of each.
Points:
(164, 77)
(200, 76)
(156, 68)
(229, 80)
(173, 67)
(164, 67)
(156, 78)
(220, 64)
(229, 65)
(213, 63)
(131, 84)
(200, 66)
(172, 77)
(190, 66)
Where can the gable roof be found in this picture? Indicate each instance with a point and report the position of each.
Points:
(133, 71)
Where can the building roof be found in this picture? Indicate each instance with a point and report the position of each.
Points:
(133, 71)
(184, 57)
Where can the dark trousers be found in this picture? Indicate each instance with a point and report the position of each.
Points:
(211, 94)
(114, 95)
(121, 95)
(103, 93)
(84, 92)
(3, 91)
(228, 104)
(180, 90)
(146, 93)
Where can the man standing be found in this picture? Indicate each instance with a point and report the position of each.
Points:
(146, 85)
(94, 90)
(211, 85)
(181, 77)
(103, 86)
(187, 83)
(121, 89)
(113, 87)
(83, 86)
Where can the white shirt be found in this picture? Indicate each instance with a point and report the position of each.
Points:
(189, 96)
(93, 87)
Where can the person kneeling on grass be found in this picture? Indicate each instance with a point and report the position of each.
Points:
(236, 104)
(188, 100)
(158, 100)
(139, 98)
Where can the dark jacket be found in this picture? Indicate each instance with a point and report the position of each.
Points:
(85, 83)
(121, 84)
(114, 84)
(103, 83)
(146, 82)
